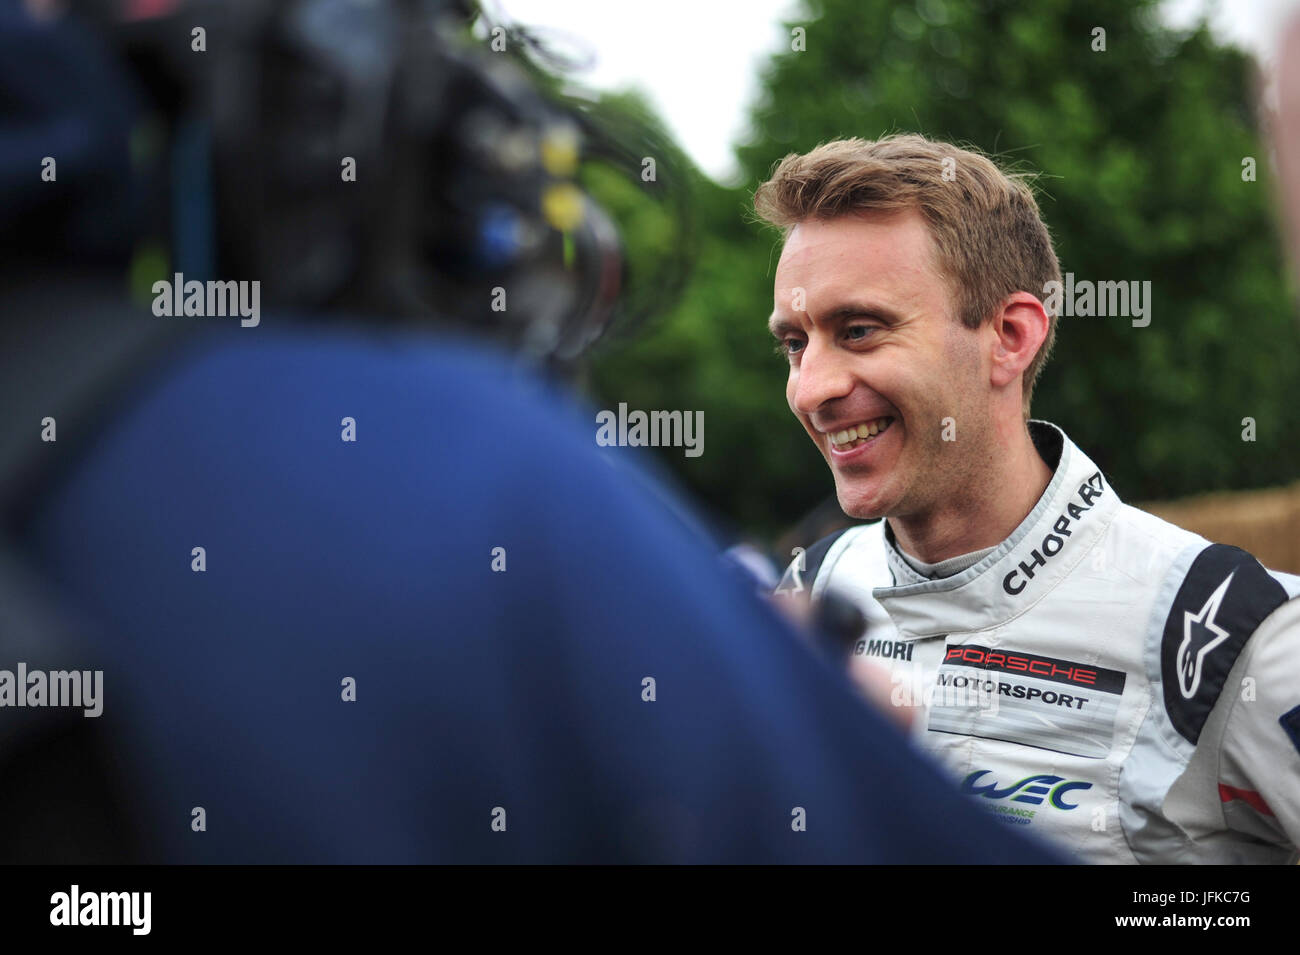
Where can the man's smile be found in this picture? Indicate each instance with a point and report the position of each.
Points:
(845, 439)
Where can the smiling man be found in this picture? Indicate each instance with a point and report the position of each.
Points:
(1086, 669)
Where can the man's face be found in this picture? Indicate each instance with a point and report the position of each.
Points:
(878, 361)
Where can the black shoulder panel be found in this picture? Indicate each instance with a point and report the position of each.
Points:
(812, 563)
(1224, 597)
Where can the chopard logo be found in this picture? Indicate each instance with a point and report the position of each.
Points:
(1088, 491)
(1201, 634)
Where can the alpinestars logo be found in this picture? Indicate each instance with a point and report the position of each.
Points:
(1201, 634)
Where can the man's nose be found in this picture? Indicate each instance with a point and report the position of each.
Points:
(824, 375)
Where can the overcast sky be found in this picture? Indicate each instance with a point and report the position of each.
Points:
(698, 60)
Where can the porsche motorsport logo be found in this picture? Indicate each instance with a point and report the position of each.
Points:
(1046, 702)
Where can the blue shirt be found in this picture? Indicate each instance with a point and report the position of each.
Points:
(481, 695)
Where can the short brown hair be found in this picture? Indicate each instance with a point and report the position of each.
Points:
(990, 238)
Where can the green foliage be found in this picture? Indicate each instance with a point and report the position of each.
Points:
(1138, 151)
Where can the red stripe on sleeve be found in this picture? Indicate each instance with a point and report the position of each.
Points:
(1248, 796)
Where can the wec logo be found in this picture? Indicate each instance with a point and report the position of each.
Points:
(1031, 790)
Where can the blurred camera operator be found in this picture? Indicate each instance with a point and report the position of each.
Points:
(362, 588)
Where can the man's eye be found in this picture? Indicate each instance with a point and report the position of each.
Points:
(789, 346)
(858, 333)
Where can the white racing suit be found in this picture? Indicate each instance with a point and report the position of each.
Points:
(1106, 679)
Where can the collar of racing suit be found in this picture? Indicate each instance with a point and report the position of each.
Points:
(1070, 517)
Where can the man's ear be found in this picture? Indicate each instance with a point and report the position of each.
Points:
(1018, 329)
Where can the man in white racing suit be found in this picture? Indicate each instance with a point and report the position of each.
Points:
(1101, 676)
(1085, 669)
